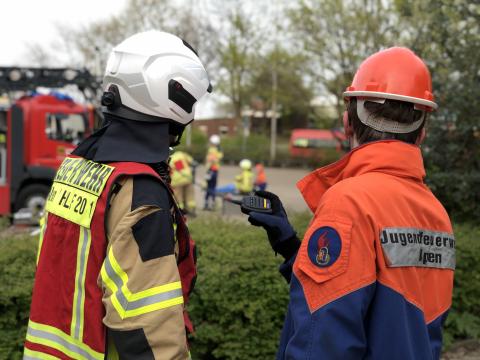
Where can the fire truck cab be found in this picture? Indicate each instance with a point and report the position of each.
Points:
(37, 131)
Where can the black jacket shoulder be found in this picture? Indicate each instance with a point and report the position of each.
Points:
(147, 190)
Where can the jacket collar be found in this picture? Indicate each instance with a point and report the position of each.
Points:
(388, 156)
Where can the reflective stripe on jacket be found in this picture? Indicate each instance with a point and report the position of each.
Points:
(373, 277)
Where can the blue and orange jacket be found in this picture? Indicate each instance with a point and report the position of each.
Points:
(373, 277)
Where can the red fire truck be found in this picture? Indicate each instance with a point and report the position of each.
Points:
(37, 131)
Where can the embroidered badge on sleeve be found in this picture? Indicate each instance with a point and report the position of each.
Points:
(324, 246)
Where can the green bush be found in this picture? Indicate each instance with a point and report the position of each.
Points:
(458, 192)
(17, 268)
(255, 147)
(240, 300)
(198, 148)
(463, 321)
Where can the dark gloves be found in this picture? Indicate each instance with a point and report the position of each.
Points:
(281, 234)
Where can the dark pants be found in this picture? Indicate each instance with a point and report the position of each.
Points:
(211, 186)
(262, 186)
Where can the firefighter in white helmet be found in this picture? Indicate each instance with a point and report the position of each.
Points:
(213, 159)
(122, 273)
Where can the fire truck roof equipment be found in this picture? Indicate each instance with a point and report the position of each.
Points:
(29, 78)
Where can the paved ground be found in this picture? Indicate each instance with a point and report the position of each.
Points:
(280, 181)
(463, 350)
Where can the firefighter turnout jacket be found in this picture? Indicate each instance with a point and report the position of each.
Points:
(214, 157)
(181, 169)
(244, 182)
(112, 275)
(373, 277)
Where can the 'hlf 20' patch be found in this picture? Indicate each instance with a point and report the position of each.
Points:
(324, 246)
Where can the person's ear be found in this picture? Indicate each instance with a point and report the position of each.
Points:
(421, 137)
(348, 128)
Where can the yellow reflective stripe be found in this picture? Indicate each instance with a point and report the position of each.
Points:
(156, 290)
(116, 267)
(83, 250)
(66, 340)
(128, 304)
(113, 288)
(30, 354)
(43, 229)
(153, 307)
(54, 345)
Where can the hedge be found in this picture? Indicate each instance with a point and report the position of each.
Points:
(256, 147)
(463, 321)
(17, 267)
(240, 300)
(458, 192)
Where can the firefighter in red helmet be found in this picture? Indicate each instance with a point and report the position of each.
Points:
(116, 263)
(373, 275)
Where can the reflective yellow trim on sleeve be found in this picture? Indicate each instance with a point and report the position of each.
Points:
(153, 307)
(129, 304)
(156, 290)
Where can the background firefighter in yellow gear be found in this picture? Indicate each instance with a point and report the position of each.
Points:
(212, 162)
(244, 181)
(182, 180)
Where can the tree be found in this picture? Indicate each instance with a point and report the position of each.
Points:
(293, 95)
(337, 35)
(91, 44)
(237, 52)
(447, 34)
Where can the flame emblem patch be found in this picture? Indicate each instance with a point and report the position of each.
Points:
(324, 246)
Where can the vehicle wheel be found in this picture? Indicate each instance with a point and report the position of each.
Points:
(32, 197)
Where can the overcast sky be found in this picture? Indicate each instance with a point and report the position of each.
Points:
(31, 22)
(34, 21)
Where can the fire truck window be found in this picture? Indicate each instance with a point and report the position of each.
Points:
(66, 127)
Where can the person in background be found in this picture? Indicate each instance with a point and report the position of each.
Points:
(244, 181)
(373, 276)
(260, 178)
(116, 263)
(212, 162)
(181, 172)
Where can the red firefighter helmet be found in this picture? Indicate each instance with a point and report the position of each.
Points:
(395, 73)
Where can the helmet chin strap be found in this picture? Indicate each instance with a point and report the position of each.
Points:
(383, 124)
(176, 131)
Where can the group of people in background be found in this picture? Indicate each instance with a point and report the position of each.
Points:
(182, 168)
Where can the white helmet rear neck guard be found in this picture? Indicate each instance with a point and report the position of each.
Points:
(154, 76)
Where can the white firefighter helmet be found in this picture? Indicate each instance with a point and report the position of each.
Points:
(245, 164)
(157, 75)
(215, 139)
